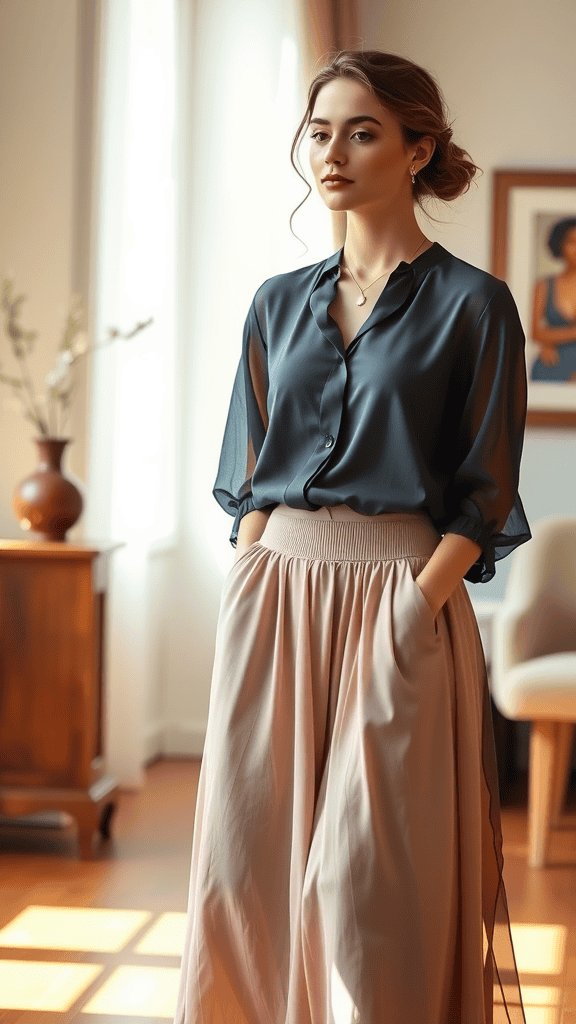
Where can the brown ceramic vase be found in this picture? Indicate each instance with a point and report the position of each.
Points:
(47, 502)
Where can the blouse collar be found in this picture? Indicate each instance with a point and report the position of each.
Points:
(435, 254)
(397, 291)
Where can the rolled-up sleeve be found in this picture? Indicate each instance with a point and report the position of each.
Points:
(483, 492)
(246, 426)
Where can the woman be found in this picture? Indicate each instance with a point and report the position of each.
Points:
(347, 845)
(554, 310)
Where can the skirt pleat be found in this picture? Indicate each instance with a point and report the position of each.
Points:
(347, 851)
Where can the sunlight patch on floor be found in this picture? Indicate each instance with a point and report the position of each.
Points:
(165, 937)
(29, 985)
(148, 991)
(97, 931)
(535, 995)
(539, 948)
(540, 1014)
(151, 991)
(542, 1003)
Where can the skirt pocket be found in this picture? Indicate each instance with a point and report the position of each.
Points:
(242, 558)
(425, 607)
(416, 634)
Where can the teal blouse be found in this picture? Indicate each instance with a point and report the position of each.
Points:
(425, 409)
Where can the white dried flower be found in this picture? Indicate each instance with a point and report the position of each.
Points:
(80, 343)
(75, 344)
(58, 373)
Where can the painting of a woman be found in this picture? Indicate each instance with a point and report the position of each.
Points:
(554, 310)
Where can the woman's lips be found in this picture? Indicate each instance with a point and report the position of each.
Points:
(335, 183)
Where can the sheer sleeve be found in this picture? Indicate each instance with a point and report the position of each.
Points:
(483, 493)
(246, 426)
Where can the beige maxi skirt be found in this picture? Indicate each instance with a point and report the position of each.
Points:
(347, 850)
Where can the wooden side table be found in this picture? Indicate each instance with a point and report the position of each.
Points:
(52, 616)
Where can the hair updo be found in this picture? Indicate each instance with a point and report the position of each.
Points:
(411, 94)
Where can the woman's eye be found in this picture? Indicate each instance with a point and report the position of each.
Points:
(361, 132)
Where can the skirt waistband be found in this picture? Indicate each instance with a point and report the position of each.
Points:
(339, 533)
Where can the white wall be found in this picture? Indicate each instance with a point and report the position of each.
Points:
(508, 74)
(41, 213)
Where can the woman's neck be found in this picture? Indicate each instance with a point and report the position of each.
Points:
(371, 249)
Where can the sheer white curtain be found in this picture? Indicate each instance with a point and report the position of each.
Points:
(199, 103)
(248, 100)
(132, 482)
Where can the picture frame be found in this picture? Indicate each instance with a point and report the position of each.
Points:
(533, 227)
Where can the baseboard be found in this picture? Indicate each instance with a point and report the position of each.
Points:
(178, 739)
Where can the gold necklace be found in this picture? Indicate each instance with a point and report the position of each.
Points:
(362, 299)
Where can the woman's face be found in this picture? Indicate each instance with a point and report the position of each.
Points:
(370, 152)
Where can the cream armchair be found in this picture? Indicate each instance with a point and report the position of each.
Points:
(534, 666)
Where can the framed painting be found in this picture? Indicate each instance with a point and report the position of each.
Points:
(534, 251)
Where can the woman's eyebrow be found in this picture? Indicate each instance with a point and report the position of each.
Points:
(351, 120)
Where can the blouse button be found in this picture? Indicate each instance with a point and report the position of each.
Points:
(329, 441)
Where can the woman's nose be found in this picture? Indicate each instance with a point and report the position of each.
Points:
(333, 153)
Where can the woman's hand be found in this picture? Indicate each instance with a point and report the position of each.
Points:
(251, 528)
(432, 604)
(445, 568)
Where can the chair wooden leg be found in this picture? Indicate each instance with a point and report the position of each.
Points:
(561, 770)
(543, 743)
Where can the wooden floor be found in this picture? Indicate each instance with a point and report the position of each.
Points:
(144, 869)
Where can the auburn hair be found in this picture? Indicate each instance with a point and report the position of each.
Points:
(412, 95)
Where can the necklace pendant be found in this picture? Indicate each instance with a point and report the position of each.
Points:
(361, 300)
